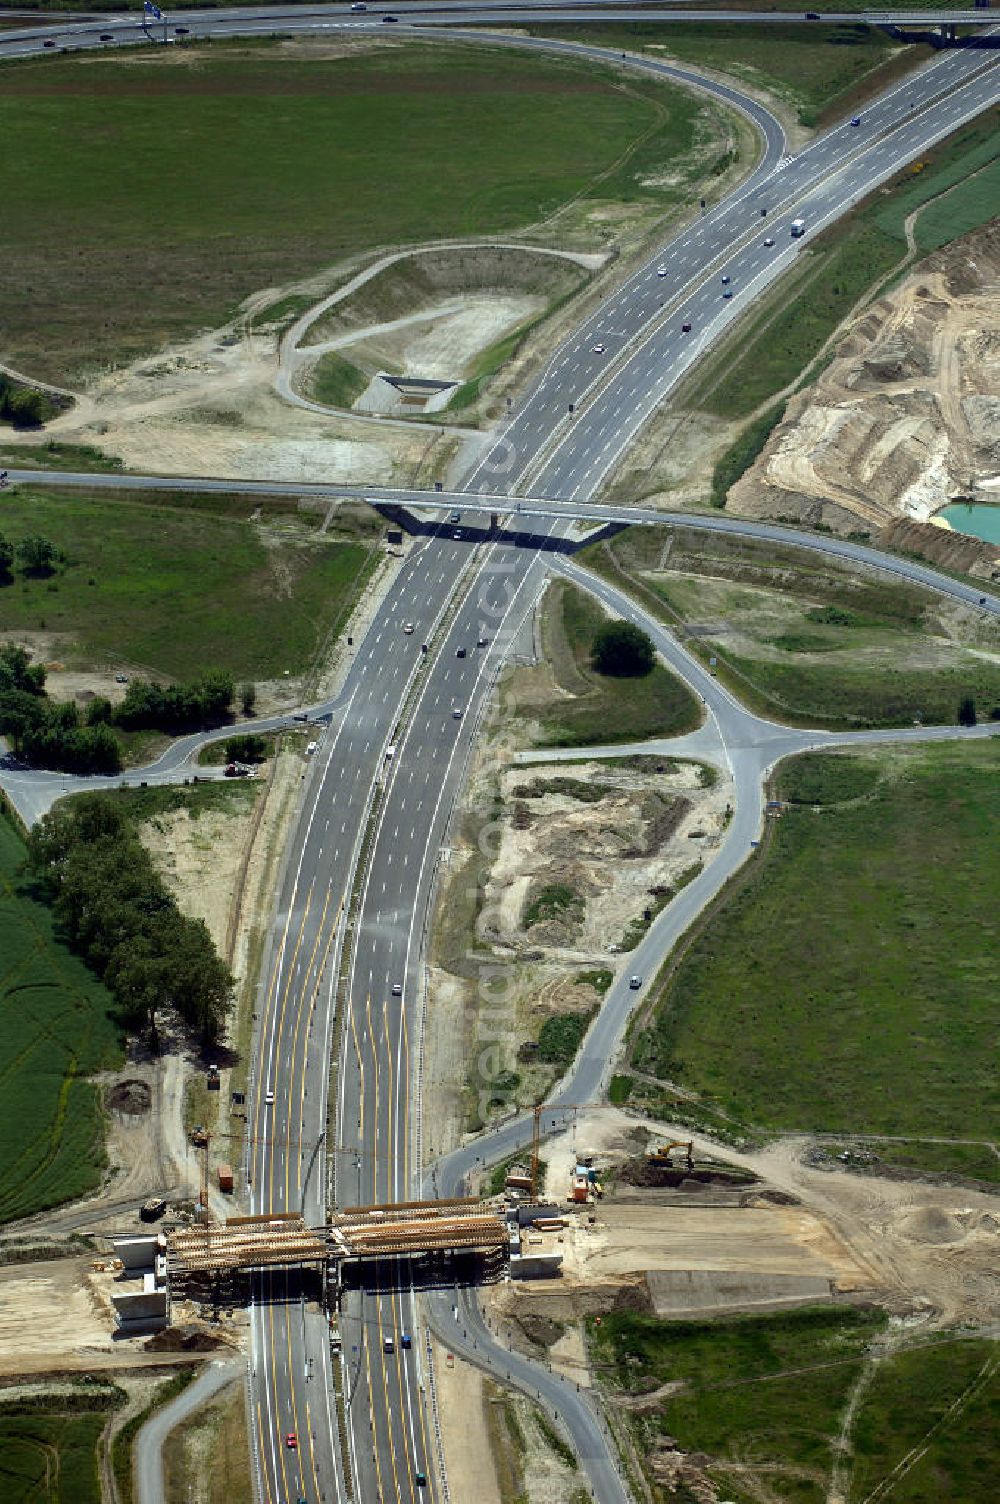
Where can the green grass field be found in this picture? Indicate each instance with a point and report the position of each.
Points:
(57, 1030)
(863, 947)
(957, 180)
(924, 1157)
(174, 587)
(48, 1445)
(236, 168)
(764, 1399)
(603, 709)
(798, 639)
(872, 693)
(335, 381)
(943, 1404)
(765, 1393)
(151, 804)
(812, 67)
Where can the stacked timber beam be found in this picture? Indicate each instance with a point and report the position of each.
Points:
(245, 1243)
(417, 1227)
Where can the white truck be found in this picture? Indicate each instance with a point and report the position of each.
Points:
(798, 228)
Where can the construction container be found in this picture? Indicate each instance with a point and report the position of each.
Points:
(225, 1177)
(518, 1183)
(581, 1190)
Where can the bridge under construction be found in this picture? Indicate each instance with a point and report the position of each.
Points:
(280, 1239)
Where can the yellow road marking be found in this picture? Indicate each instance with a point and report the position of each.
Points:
(312, 1454)
(274, 1376)
(263, 1455)
(280, 1024)
(378, 1293)
(294, 1053)
(364, 1334)
(432, 1476)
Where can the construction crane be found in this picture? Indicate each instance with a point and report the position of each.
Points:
(536, 1133)
(201, 1138)
(536, 1142)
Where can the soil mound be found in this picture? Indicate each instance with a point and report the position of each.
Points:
(183, 1339)
(929, 1224)
(132, 1098)
(648, 1174)
(542, 1331)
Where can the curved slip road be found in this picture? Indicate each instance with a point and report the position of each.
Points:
(148, 1454)
(746, 748)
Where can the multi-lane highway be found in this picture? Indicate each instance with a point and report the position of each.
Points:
(373, 1119)
(343, 975)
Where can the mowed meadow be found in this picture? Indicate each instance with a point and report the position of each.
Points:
(862, 947)
(179, 583)
(56, 1030)
(144, 197)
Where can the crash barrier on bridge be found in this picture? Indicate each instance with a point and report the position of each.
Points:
(364, 1232)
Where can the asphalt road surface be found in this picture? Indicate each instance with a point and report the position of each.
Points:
(388, 1446)
(363, 1144)
(74, 31)
(149, 1441)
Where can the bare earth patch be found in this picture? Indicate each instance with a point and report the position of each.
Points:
(207, 407)
(906, 417)
(495, 979)
(464, 1435)
(924, 1250)
(640, 836)
(201, 861)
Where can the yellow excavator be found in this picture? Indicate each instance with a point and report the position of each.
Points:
(661, 1156)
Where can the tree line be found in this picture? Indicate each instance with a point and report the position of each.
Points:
(45, 734)
(117, 914)
(206, 701)
(56, 735)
